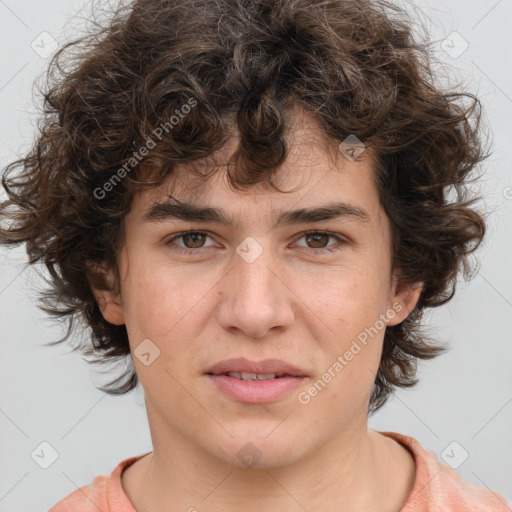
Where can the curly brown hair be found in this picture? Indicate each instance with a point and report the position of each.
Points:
(354, 65)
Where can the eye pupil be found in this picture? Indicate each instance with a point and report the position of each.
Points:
(316, 235)
(193, 236)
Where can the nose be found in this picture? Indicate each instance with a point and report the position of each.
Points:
(255, 297)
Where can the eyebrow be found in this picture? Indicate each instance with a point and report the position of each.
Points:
(193, 213)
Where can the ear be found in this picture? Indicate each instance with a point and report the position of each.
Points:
(403, 300)
(105, 289)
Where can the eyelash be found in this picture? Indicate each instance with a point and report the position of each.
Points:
(342, 241)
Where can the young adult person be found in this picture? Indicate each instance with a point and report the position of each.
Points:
(250, 199)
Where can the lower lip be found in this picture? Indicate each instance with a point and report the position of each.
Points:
(255, 391)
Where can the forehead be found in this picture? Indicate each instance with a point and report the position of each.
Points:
(315, 172)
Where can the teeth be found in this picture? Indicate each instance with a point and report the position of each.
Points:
(252, 376)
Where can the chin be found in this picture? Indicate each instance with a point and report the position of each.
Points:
(259, 450)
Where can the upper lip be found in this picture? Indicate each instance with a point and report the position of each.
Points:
(241, 364)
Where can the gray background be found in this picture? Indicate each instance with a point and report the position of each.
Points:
(465, 396)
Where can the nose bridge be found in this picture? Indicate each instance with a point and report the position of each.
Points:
(254, 298)
(256, 282)
(255, 276)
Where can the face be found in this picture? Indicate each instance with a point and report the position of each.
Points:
(260, 290)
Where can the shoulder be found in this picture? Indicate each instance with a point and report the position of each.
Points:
(103, 494)
(89, 498)
(439, 487)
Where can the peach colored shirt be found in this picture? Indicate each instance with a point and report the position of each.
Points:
(437, 488)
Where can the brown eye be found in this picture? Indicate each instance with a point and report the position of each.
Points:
(195, 240)
(189, 242)
(319, 240)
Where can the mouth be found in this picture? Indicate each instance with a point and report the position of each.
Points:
(241, 368)
(255, 382)
(252, 376)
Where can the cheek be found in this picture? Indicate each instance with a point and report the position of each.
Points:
(347, 320)
(159, 301)
(353, 295)
(352, 345)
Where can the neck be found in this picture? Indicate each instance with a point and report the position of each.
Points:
(356, 470)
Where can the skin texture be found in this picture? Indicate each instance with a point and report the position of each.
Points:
(306, 309)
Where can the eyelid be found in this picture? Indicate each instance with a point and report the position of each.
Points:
(184, 233)
(337, 236)
(341, 240)
(341, 243)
